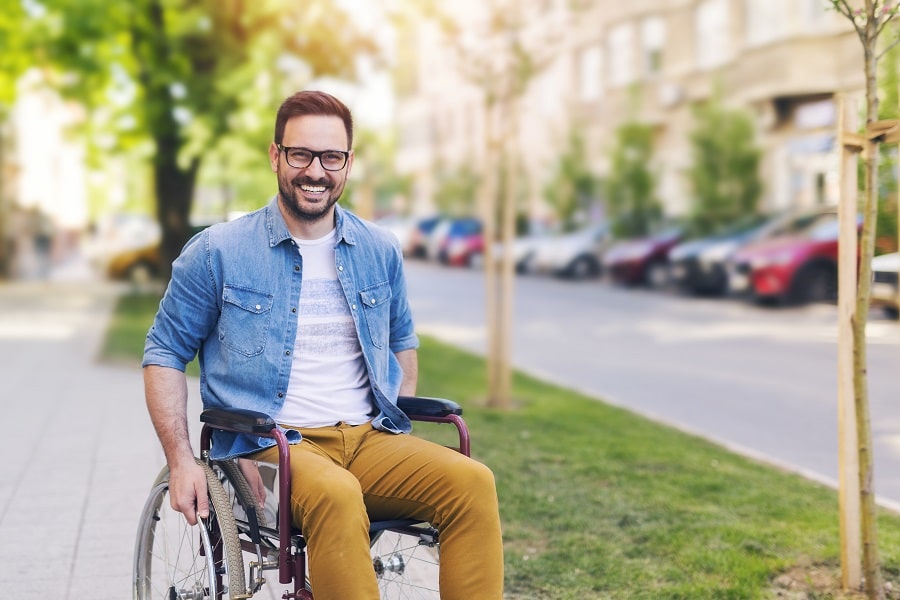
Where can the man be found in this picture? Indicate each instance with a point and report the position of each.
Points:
(299, 310)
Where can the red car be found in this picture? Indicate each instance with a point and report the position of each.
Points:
(791, 269)
(643, 260)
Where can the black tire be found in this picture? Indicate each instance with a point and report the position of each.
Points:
(582, 268)
(174, 560)
(657, 276)
(815, 282)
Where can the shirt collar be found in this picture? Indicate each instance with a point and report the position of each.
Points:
(278, 231)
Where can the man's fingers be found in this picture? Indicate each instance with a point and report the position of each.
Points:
(187, 493)
(202, 503)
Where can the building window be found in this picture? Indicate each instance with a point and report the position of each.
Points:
(621, 55)
(765, 21)
(653, 40)
(712, 27)
(590, 73)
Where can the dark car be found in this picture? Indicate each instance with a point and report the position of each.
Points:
(794, 268)
(698, 266)
(642, 261)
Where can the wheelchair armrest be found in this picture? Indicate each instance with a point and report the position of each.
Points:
(238, 419)
(419, 406)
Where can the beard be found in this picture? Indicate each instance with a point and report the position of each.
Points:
(292, 200)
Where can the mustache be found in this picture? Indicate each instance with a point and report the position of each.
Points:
(301, 180)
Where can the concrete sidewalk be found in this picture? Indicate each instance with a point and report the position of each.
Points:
(79, 451)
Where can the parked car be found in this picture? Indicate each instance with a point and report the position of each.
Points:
(402, 228)
(700, 265)
(794, 268)
(458, 242)
(140, 265)
(577, 255)
(417, 242)
(642, 261)
(884, 283)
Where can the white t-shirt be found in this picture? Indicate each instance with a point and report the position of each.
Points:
(329, 382)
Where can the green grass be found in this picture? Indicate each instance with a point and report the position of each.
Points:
(599, 503)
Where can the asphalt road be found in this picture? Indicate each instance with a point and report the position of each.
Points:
(758, 380)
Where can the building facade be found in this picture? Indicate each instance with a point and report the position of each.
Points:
(601, 63)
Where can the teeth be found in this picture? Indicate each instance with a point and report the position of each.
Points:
(314, 189)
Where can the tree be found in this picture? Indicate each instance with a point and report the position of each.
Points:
(501, 60)
(724, 172)
(191, 76)
(573, 186)
(14, 60)
(630, 188)
(869, 19)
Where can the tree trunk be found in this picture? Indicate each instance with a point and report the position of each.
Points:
(174, 195)
(871, 562)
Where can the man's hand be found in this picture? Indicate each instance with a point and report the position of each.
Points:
(251, 473)
(187, 491)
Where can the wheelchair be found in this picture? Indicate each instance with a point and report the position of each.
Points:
(228, 554)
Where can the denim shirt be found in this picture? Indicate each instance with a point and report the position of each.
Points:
(234, 296)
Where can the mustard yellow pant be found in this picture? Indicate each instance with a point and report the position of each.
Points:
(344, 474)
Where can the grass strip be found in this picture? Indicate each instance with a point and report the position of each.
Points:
(597, 502)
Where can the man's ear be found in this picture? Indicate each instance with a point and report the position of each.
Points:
(350, 162)
(273, 157)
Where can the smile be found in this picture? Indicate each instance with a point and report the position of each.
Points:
(313, 189)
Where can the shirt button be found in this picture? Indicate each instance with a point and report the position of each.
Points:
(341, 268)
(293, 309)
(281, 394)
(353, 306)
(258, 307)
(296, 267)
(287, 352)
(372, 301)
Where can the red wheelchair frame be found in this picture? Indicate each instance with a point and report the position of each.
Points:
(291, 546)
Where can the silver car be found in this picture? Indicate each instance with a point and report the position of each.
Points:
(577, 255)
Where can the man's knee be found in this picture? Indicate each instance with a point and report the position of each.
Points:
(475, 482)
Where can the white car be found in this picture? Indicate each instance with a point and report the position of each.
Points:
(884, 283)
(577, 255)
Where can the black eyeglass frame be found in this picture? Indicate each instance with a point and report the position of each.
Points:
(313, 156)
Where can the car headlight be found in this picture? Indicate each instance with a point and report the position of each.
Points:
(775, 260)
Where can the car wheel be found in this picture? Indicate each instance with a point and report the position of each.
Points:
(582, 268)
(816, 282)
(657, 275)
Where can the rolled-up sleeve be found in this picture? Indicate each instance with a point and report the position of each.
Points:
(188, 310)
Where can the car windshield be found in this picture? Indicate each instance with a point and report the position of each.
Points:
(824, 231)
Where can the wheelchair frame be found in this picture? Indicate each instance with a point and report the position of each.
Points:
(291, 561)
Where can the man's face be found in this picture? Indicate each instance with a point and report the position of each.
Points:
(309, 194)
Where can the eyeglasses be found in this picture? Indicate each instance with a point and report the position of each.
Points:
(300, 158)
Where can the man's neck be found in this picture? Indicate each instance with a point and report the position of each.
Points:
(308, 230)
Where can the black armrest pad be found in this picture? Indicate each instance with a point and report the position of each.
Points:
(238, 419)
(428, 407)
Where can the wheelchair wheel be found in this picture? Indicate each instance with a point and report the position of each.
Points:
(406, 562)
(174, 560)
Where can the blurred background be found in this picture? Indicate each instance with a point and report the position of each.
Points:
(661, 143)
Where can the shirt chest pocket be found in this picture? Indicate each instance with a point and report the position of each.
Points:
(376, 311)
(244, 323)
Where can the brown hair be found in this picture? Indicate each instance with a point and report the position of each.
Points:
(311, 102)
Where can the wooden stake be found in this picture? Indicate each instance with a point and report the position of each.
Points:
(848, 459)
